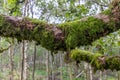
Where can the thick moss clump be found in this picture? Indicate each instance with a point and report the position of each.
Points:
(30, 29)
(98, 61)
(84, 32)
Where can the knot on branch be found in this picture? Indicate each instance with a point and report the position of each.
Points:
(58, 34)
(104, 18)
(29, 25)
(102, 59)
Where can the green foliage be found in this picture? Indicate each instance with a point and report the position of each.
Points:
(13, 7)
(61, 10)
(108, 45)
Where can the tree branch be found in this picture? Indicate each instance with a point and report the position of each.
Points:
(98, 61)
(64, 36)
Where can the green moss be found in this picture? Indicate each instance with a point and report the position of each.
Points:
(35, 21)
(84, 32)
(83, 55)
(96, 61)
(113, 63)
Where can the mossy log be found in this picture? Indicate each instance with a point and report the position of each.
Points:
(63, 36)
(98, 61)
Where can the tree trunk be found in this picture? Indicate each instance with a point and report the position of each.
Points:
(25, 61)
(118, 75)
(61, 66)
(34, 60)
(24, 72)
(100, 75)
(22, 58)
(86, 71)
(47, 65)
(11, 62)
(70, 72)
(105, 75)
(52, 67)
(91, 73)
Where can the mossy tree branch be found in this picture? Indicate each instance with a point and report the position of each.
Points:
(98, 61)
(58, 37)
(64, 36)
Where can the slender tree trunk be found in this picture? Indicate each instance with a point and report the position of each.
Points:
(52, 66)
(91, 74)
(24, 72)
(70, 72)
(25, 61)
(47, 65)
(100, 75)
(61, 65)
(11, 62)
(119, 71)
(118, 75)
(86, 74)
(34, 60)
(105, 75)
(22, 58)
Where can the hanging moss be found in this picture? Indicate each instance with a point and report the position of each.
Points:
(97, 61)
